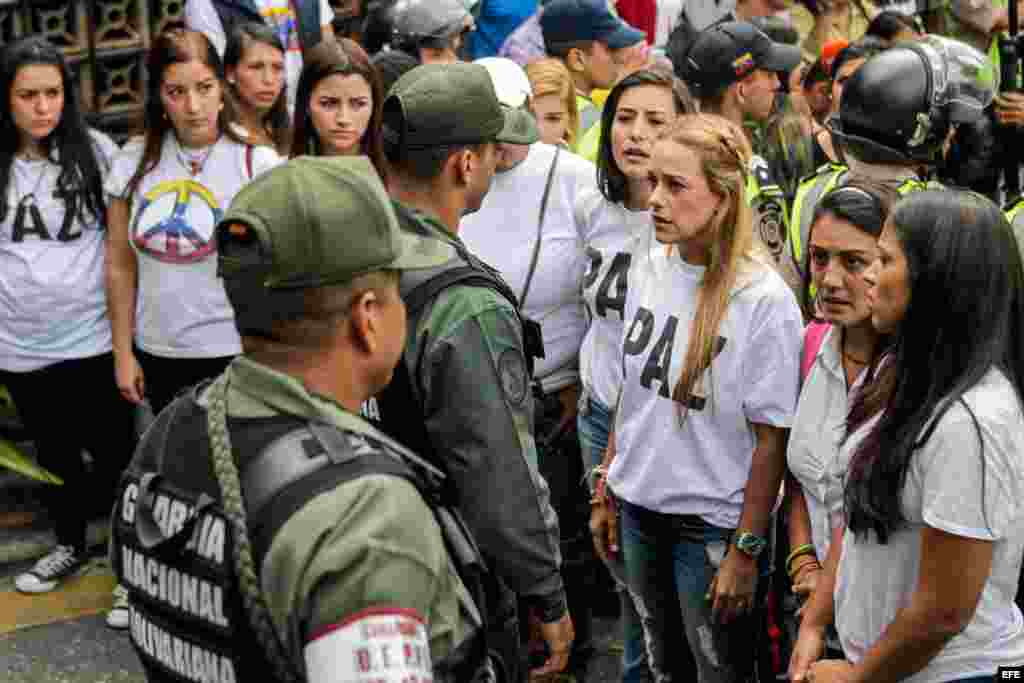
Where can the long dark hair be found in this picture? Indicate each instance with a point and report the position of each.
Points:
(177, 46)
(70, 145)
(345, 58)
(610, 179)
(276, 121)
(862, 203)
(964, 318)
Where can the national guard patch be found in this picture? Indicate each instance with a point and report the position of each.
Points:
(514, 378)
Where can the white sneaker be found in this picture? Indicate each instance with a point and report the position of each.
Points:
(119, 616)
(48, 572)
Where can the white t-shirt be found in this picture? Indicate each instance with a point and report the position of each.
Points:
(611, 233)
(503, 233)
(819, 427)
(53, 305)
(948, 488)
(700, 467)
(200, 15)
(182, 310)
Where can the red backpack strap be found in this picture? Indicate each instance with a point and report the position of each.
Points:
(814, 335)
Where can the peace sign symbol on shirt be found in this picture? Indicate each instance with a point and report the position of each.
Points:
(186, 235)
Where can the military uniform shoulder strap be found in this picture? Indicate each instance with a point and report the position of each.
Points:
(466, 269)
(823, 170)
(916, 185)
(280, 479)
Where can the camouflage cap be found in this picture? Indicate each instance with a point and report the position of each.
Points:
(438, 105)
(312, 222)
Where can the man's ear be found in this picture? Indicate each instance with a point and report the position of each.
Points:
(463, 164)
(576, 60)
(739, 92)
(363, 320)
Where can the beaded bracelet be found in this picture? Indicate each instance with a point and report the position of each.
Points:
(810, 561)
(803, 549)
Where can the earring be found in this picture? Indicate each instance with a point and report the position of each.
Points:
(232, 81)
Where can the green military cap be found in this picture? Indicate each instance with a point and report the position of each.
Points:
(438, 105)
(312, 222)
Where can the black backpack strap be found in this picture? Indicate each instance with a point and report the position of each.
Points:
(418, 297)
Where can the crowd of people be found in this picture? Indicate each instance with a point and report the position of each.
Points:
(718, 321)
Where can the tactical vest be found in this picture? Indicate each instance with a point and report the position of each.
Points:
(172, 545)
(307, 18)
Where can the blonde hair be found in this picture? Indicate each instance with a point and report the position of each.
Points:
(725, 154)
(551, 77)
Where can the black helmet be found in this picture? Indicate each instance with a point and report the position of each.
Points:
(901, 104)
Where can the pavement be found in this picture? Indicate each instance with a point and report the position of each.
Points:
(61, 637)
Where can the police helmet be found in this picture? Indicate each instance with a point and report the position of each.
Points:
(899, 107)
(427, 22)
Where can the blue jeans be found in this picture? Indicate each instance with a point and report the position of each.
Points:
(593, 425)
(678, 555)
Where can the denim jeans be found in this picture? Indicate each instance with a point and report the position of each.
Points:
(678, 555)
(593, 425)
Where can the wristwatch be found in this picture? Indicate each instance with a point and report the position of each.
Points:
(750, 544)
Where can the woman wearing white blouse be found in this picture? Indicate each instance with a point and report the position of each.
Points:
(837, 352)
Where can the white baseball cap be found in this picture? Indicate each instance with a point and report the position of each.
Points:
(510, 81)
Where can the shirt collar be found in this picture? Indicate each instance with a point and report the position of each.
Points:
(256, 390)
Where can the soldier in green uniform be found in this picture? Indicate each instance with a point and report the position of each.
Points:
(462, 395)
(266, 532)
(733, 68)
(895, 116)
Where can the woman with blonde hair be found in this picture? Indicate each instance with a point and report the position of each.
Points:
(709, 355)
(554, 101)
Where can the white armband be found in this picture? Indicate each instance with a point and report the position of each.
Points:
(375, 645)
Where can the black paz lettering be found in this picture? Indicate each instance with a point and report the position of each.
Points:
(68, 231)
(657, 365)
(21, 229)
(617, 277)
(639, 334)
(595, 267)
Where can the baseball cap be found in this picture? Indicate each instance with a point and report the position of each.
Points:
(570, 21)
(436, 105)
(312, 222)
(514, 91)
(726, 53)
(429, 19)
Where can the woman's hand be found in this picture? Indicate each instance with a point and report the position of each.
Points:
(130, 380)
(830, 671)
(809, 648)
(806, 578)
(604, 529)
(569, 400)
(731, 592)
